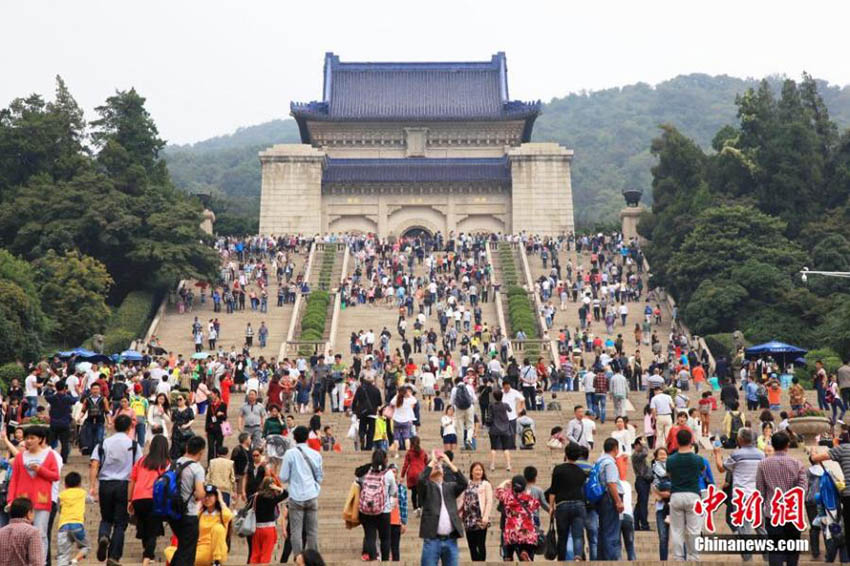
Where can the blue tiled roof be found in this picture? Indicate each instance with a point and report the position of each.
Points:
(417, 170)
(415, 92)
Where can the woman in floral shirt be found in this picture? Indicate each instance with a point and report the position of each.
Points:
(519, 534)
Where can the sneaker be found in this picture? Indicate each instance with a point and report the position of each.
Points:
(365, 557)
(102, 547)
(418, 513)
(112, 562)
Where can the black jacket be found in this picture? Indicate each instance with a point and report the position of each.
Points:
(430, 501)
(366, 400)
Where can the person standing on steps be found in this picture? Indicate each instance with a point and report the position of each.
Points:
(252, 416)
(112, 463)
(441, 525)
(302, 471)
(684, 468)
(367, 399)
(187, 528)
(611, 504)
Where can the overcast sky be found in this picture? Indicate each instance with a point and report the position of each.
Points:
(209, 67)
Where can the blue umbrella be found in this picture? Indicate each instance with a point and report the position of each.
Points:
(131, 356)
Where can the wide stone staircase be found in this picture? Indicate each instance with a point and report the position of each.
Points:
(175, 329)
(339, 545)
(569, 319)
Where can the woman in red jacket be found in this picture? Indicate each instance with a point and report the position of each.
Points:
(414, 462)
(33, 472)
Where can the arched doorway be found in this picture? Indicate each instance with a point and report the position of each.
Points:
(415, 232)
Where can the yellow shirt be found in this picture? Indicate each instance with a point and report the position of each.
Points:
(380, 429)
(72, 506)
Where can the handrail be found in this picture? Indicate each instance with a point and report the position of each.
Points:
(157, 319)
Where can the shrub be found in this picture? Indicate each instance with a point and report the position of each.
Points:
(118, 340)
(720, 345)
(10, 371)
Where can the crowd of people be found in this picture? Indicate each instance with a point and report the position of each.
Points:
(137, 423)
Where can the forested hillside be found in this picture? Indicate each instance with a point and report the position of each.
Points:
(610, 130)
(731, 228)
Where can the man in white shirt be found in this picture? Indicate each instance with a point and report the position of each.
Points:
(515, 403)
(31, 387)
(662, 409)
(163, 386)
(575, 428)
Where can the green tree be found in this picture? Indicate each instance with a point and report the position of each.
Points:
(725, 237)
(73, 289)
(22, 322)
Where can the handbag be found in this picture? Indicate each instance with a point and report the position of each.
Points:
(550, 552)
(245, 523)
(226, 430)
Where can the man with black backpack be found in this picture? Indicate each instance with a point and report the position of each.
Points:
(733, 422)
(109, 476)
(191, 476)
(463, 400)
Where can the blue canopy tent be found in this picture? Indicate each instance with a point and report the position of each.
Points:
(777, 350)
(131, 356)
(79, 352)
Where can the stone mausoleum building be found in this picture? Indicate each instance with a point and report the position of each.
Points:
(395, 148)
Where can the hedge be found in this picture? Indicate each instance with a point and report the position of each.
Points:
(315, 315)
(129, 321)
(520, 306)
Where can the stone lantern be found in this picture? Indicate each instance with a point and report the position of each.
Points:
(630, 215)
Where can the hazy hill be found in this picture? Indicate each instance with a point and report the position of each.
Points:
(610, 131)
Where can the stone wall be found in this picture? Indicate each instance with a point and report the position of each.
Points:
(291, 193)
(541, 195)
(392, 212)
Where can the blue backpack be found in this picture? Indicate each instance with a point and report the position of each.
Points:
(827, 494)
(593, 488)
(167, 502)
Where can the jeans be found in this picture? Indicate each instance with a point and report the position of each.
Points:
(69, 537)
(435, 550)
(186, 530)
(599, 403)
(304, 524)
(591, 526)
(141, 428)
(588, 400)
(627, 528)
(41, 521)
(685, 525)
(642, 487)
(113, 515)
(663, 534)
(529, 394)
(569, 520)
(821, 398)
(376, 525)
(32, 405)
(609, 529)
